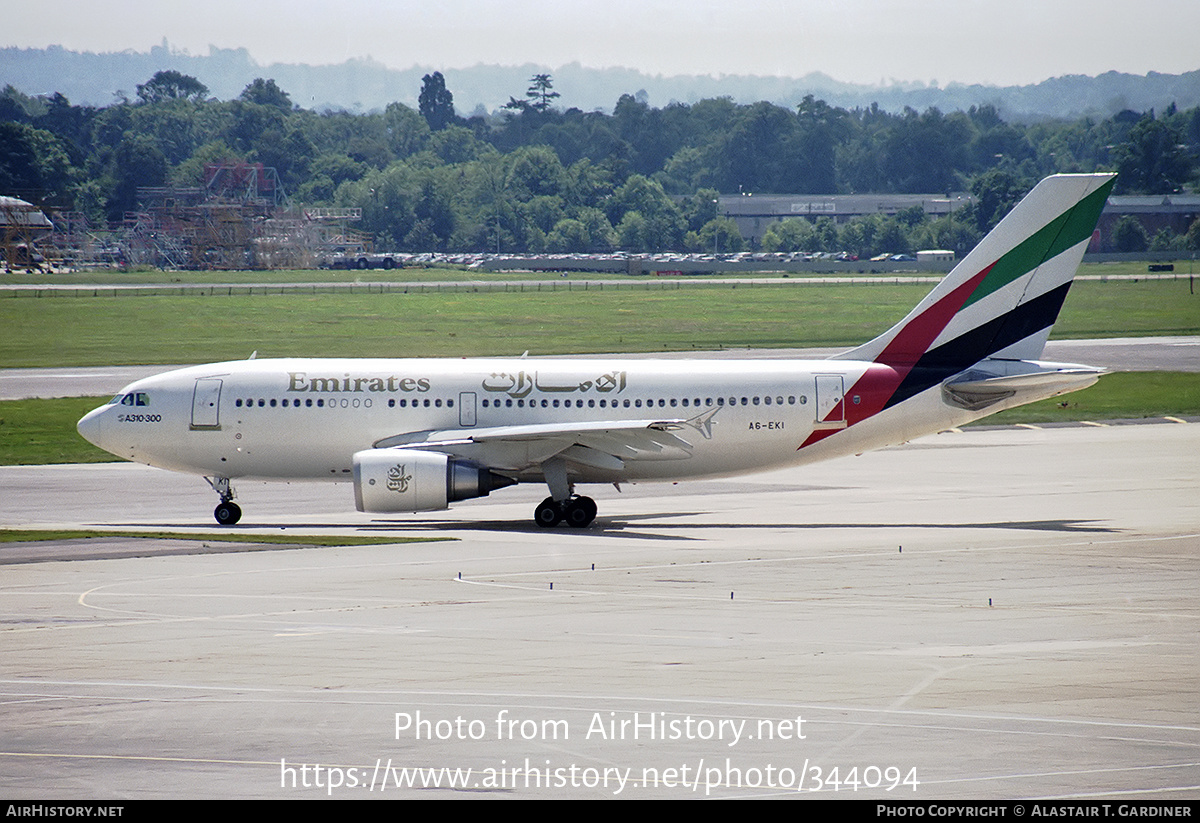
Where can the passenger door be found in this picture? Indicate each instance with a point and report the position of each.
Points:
(466, 409)
(206, 403)
(830, 411)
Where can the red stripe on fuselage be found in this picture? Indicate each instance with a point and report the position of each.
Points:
(883, 377)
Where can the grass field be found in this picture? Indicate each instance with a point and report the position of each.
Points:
(1124, 395)
(439, 274)
(152, 329)
(34, 432)
(192, 328)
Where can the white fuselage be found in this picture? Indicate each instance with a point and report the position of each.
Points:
(304, 419)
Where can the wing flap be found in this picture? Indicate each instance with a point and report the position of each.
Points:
(603, 444)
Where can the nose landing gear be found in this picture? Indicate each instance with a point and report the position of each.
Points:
(227, 512)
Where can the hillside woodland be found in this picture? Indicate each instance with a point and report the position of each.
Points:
(540, 175)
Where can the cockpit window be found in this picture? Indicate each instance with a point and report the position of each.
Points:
(132, 399)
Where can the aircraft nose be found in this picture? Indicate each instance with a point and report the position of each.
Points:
(90, 426)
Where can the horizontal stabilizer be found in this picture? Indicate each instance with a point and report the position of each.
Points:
(995, 380)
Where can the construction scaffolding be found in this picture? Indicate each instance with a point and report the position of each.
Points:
(75, 243)
(239, 219)
(213, 226)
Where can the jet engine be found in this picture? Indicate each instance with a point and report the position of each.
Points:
(409, 480)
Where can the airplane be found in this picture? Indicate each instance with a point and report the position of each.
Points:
(415, 435)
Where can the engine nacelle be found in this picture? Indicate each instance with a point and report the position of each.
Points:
(408, 480)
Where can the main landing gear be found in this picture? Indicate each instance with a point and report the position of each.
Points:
(577, 511)
(227, 512)
(563, 503)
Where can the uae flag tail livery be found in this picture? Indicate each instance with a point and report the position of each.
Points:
(975, 340)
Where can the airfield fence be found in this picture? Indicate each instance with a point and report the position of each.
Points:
(469, 287)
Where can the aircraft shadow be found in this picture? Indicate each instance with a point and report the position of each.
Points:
(629, 526)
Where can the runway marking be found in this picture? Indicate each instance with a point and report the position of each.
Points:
(825, 557)
(587, 702)
(139, 617)
(1035, 775)
(1080, 772)
(1126, 792)
(142, 758)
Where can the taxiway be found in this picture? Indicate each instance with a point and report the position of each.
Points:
(997, 614)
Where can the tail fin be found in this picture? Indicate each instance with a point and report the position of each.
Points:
(1004, 297)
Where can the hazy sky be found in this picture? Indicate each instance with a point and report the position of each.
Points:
(865, 41)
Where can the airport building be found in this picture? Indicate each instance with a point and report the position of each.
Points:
(1175, 212)
(754, 213)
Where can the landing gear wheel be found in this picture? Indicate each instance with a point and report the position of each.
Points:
(580, 512)
(228, 513)
(548, 514)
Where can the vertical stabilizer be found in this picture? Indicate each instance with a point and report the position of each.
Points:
(1000, 302)
(1004, 296)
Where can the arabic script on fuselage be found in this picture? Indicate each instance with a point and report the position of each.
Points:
(521, 383)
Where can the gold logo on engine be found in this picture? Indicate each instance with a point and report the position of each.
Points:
(397, 480)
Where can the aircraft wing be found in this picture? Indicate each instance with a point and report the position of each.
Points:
(598, 444)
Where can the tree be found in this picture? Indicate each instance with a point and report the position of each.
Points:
(1192, 238)
(996, 192)
(790, 235)
(435, 102)
(540, 92)
(407, 131)
(568, 235)
(266, 93)
(517, 106)
(647, 219)
(922, 152)
(535, 171)
(758, 152)
(136, 162)
(1129, 235)
(1154, 160)
(19, 171)
(1167, 240)
(34, 163)
(892, 238)
(822, 127)
(721, 235)
(171, 85)
(16, 106)
(455, 144)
